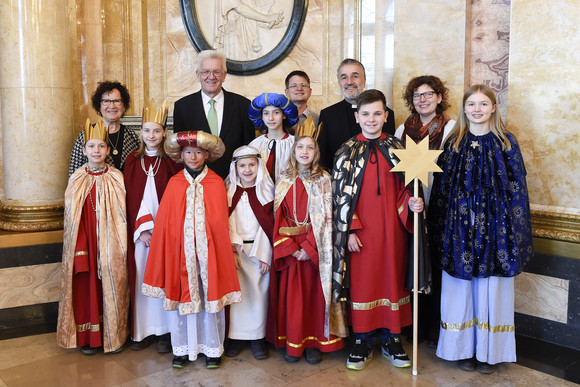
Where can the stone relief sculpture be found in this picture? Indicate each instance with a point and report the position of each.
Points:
(237, 34)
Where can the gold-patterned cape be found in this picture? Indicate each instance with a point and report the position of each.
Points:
(112, 259)
(320, 212)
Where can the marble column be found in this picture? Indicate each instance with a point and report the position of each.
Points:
(36, 119)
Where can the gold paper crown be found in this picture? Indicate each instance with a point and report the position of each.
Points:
(152, 114)
(308, 129)
(97, 130)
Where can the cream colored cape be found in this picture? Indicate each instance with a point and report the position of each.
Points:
(320, 212)
(112, 242)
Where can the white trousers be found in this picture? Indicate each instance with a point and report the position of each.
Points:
(477, 317)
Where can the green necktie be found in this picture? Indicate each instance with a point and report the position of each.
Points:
(212, 118)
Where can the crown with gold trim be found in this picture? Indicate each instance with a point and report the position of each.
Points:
(309, 129)
(152, 114)
(98, 130)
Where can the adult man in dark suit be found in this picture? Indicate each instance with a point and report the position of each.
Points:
(338, 121)
(226, 117)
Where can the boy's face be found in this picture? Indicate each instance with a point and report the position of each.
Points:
(247, 170)
(273, 117)
(96, 151)
(371, 118)
(152, 133)
(194, 157)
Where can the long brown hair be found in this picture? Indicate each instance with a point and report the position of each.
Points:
(140, 152)
(315, 168)
(496, 124)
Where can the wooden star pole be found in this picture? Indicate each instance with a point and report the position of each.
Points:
(416, 161)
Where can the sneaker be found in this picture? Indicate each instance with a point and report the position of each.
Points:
(393, 350)
(180, 361)
(234, 347)
(485, 368)
(359, 356)
(164, 343)
(213, 362)
(467, 364)
(259, 349)
(313, 355)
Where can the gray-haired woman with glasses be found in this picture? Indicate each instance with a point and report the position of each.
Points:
(111, 99)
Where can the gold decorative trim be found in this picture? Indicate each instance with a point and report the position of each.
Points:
(557, 226)
(31, 218)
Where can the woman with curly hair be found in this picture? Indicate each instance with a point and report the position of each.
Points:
(110, 100)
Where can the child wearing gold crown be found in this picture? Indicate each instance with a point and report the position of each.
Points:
(94, 292)
(302, 317)
(191, 264)
(147, 172)
(277, 114)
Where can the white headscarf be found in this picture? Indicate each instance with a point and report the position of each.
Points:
(264, 186)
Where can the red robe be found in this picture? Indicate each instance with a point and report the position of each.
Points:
(135, 180)
(377, 294)
(87, 288)
(296, 290)
(168, 274)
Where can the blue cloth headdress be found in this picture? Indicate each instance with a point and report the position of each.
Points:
(272, 99)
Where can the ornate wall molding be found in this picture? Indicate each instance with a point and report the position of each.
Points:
(556, 226)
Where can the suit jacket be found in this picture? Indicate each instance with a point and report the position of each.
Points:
(338, 125)
(236, 130)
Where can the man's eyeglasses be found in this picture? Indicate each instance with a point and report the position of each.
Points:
(107, 102)
(427, 95)
(295, 85)
(216, 73)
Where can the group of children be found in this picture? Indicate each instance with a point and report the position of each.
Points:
(297, 254)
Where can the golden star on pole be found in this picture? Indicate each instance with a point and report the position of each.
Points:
(417, 161)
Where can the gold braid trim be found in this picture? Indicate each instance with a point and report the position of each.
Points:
(480, 325)
(310, 338)
(382, 302)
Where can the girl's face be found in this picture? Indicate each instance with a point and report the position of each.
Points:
(194, 157)
(96, 151)
(426, 107)
(152, 133)
(273, 117)
(304, 152)
(478, 109)
(247, 170)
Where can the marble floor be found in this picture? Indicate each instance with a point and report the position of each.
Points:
(38, 361)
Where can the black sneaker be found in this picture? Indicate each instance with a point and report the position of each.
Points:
(259, 349)
(88, 350)
(180, 361)
(485, 368)
(213, 362)
(467, 364)
(359, 356)
(164, 343)
(313, 355)
(393, 350)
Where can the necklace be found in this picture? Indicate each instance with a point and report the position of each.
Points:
(115, 151)
(155, 166)
(298, 223)
(91, 196)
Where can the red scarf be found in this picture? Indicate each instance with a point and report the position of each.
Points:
(415, 129)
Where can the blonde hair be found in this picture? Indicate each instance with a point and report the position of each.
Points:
(140, 152)
(496, 124)
(315, 168)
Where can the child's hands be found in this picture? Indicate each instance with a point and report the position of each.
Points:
(237, 260)
(300, 255)
(145, 238)
(416, 204)
(354, 244)
(264, 268)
